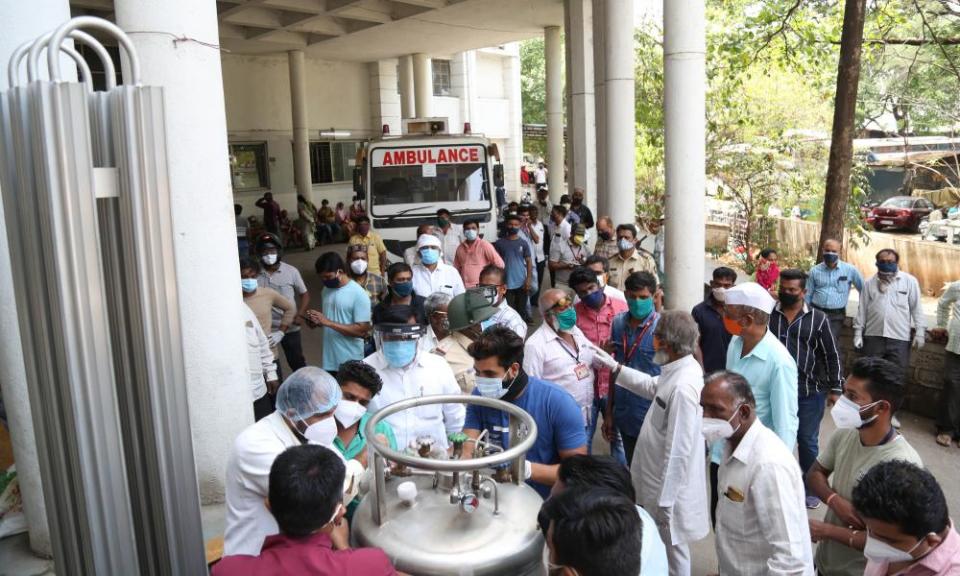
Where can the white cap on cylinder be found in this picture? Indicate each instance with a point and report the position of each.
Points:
(407, 492)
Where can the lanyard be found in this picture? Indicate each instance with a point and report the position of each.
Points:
(576, 357)
(643, 332)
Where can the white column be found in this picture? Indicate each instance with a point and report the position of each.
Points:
(512, 153)
(554, 65)
(684, 104)
(301, 138)
(206, 251)
(582, 135)
(23, 21)
(407, 100)
(422, 85)
(384, 99)
(599, 76)
(619, 118)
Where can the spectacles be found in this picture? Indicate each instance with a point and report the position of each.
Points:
(561, 304)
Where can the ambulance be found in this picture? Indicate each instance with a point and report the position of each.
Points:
(405, 179)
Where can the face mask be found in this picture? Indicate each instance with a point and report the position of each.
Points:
(322, 432)
(661, 358)
(269, 259)
(442, 222)
(716, 429)
(249, 285)
(887, 267)
(846, 414)
(732, 326)
(491, 387)
(718, 294)
(363, 229)
(470, 234)
(831, 258)
(349, 412)
(577, 240)
(604, 235)
(788, 299)
(403, 289)
(429, 256)
(358, 266)
(577, 201)
(399, 353)
(550, 566)
(512, 230)
(640, 308)
(486, 324)
(880, 552)
(566, 320)
(594, 299)
(332, 282)
(602, 280)
(625, 245)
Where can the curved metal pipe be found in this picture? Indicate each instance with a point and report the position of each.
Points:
(97, 24)
(33, 56)
(109, 69)
(85, 76)
(14, 63)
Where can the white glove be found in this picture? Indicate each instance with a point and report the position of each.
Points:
(527, 470)
(601, 359)
(919, 339)
(857, 340)
(276, 337)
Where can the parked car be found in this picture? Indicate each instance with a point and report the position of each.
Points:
(901, 213)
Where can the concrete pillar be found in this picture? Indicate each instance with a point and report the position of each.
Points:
(23, 21)
(201, 196)
(619, 114)
(422, 85)
(463, 84)
(684, 106)
(554, 84)
(512, 154)
(385, 102)
(599, 100)
(407, 100)
(581, 135)
(301, 138)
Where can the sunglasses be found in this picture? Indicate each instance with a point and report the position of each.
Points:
(561, 304)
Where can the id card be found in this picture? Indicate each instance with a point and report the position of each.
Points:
(582, 371)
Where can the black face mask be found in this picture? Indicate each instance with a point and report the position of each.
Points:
(605, 235)
(517, 388)
(788, 299)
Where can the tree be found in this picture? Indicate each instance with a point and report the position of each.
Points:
(533, 90)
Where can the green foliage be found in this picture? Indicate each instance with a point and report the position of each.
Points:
(533, 91)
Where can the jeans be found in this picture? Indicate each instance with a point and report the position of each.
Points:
(810, 412)
(535, 294)
(243, 247)
(293, 350)
(518, 300)
(948, 418)
(616, 447)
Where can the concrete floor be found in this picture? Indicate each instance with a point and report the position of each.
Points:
(16, 559)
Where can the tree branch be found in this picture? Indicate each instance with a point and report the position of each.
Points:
(909, 41)
(780, 30)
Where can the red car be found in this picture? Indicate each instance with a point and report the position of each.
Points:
(900, 212)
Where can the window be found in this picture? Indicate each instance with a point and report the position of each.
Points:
(97, 72)
(441, 77)
(248, 166)
(332, 161)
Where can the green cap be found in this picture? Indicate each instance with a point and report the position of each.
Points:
(469, 308)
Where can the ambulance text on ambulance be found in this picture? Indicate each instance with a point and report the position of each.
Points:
(434, 155)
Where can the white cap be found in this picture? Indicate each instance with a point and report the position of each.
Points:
(750, 294)
(428, 240)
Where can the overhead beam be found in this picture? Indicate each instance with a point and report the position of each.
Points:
(431, 4)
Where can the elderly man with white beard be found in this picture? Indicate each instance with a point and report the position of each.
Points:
(668, 466)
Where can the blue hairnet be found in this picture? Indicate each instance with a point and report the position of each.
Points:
(307, 392)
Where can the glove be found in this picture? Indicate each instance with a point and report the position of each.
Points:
(275, 338)
(857, 340)
(601, 359)
(919, 339)
(527, 470)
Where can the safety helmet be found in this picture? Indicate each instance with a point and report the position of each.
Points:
(266, 240)
(469, 308)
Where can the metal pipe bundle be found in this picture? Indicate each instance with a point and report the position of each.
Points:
(87, 204)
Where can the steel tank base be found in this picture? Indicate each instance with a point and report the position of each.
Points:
(433, 537)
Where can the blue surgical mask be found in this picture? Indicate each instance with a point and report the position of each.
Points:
(403, 289)
(594, 299)
(831, 258)
(429, 256)
(249, 285)
(486, 324)
(887, 267)
(470, 234)
(490, 387)
(399, 353)
(624, 245)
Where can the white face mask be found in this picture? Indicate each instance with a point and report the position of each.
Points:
(716, 429)
(358, 266)
(321, 433)
(349, 412)
(625, 245)
(846, 414)
(550, 567)
(719, 294)
(879, 551)
(661, 358)
(269, 259)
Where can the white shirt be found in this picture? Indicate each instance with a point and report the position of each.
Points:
(259, 355)
(444, 278)
(563, 229)
(247, 479)
(427, 374)
(548, 357)
(450, 241)
(762, 525)
(507, 316)
(540, 176)
(890, 312)
(538, 246)
(668, 468)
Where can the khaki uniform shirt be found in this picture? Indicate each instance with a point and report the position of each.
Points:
(620, 268)
(453, 349)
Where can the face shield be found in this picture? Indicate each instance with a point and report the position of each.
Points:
(397, 343)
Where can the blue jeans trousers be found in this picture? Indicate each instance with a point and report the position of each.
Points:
(810, 413)
(616, 447)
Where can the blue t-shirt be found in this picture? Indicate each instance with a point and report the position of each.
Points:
(558, 417)
(514, 254)
(629, 409)
(348, 304)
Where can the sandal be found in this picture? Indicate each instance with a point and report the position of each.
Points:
(944, 439)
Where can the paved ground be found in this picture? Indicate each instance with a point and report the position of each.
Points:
(943, 462)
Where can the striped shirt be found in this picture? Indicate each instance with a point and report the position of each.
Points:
(948, 306)
(829, 288)
(811, 343)
(890, 312)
